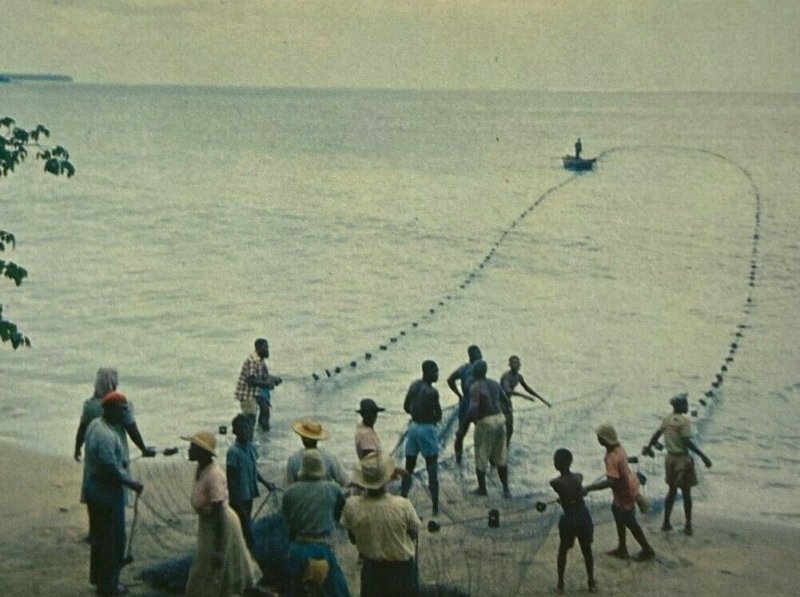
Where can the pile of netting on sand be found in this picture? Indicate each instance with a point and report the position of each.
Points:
(459, 552)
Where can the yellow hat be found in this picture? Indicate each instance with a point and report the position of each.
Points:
(373, 471)
(310, 429)
(608, 434)
(313, 466)
(203, 439)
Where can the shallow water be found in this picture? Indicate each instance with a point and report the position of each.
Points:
(333, 221)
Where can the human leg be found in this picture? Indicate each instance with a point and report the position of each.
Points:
(405, 486)
(458, 443)
(263, 412)
(432, 465)
(588, 561)
(687, 509)
(647, 552)
(561, 565)
(481, 476)
(669, 502)
(244, 511)
(621, 550)
(502, 472)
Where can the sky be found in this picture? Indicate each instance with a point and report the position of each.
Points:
(574, 45)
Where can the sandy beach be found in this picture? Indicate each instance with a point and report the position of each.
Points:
(43, 551)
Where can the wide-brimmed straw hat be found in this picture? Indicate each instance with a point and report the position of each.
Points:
(608, 434)
(373, 471)
(203, 439)
(369, 406)
(313, 466)
(310, 428)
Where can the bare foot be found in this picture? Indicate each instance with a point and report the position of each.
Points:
(592, 586)
(619, 552)
(644, 556)
(687, 530)
(479, 491)
(560, 588)
(666, 527)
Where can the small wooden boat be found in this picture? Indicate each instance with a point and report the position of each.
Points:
(578, 164)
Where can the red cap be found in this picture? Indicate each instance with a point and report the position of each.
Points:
(113, 396)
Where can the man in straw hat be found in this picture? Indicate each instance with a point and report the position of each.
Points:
(678, 464)
(311, 507)
(311, 433)
(383, 528)
(625, 486)
(366, 438)
(106, 468)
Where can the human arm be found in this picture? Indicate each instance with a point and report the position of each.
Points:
(407, 401)
(647, 450)
(531, 391)
(691, 446)
(136, 437)
(451, 382)
(268, 484)
(79, 437)
(232, 477)
(604, 483)
(338, 508)
(218, 516)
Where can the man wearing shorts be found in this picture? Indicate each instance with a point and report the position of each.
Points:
(625, 487)
(422, 403)
(464, 375)
(678, 464)
(488, 408)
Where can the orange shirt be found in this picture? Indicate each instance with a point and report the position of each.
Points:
(625, 485)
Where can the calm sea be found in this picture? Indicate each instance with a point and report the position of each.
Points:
(337, 223)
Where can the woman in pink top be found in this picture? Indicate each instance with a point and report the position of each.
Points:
(223, 565)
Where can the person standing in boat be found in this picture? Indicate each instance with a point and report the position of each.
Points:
(578, 149)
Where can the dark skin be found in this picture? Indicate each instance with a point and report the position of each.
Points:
(244, 435)
(203, 459)
(113, 413)
(269, 382)
(569, 491)
(430, 376)
(514, 364)
(678, 407)
(475, 355)
(621, 551)
(133, 433)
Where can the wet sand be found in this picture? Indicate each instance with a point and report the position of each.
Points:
(43, 551)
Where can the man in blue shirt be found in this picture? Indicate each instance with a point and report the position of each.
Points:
(106, 475)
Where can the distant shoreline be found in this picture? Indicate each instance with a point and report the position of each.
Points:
(47, 77)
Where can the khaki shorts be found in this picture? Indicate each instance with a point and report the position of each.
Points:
(679, 469)
(490, 442)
